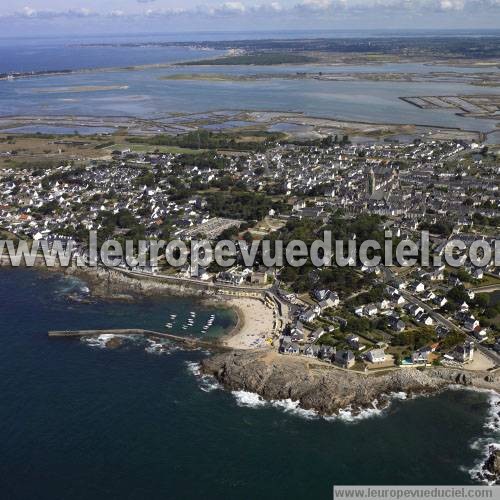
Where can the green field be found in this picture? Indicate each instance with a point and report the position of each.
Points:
(145, 148)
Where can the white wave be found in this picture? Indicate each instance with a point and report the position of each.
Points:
(347, 415)
(92, 341)
(293, 407)
(194, 368)
(207, 383)
(101, 341)
(489, 442)
(493, 420)
(253, 400)
(377, 409)
(106, 337)
(479, 444)
(153, 347)
(476, 472)
(248, 399)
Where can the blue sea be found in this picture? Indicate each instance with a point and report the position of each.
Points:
(54, 53)
(85, 422)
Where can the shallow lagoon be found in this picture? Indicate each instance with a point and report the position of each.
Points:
(149, 96)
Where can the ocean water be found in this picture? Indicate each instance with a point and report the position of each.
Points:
(48, 54)
(84, 422)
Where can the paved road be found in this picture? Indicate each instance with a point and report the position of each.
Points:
(487, 289)
(195, 282)
(439, 318)
(388, 275)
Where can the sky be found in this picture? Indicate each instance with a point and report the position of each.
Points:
(32, 17)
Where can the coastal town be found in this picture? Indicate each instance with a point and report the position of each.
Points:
(245, 240)
(358, 318)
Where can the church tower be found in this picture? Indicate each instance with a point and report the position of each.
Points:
(370, 182)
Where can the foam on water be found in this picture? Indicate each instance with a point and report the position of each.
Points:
(346, 415)
(151, 346)
(294, 408)
(493, 421)
(378, 409)
(194, 368)
(206, 383)
(489, 442)
(101, 341)
(248, 399)
(157, 348)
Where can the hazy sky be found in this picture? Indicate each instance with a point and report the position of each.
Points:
(18, 17)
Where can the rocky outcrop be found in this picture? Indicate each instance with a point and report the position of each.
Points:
(324, 390)
(490, 472)
(115, 285)
(320, 387)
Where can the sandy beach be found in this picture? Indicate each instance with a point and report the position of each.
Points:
(255, 324)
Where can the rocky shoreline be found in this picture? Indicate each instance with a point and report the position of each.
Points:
(330, 392)
(490, 470)
(109, 284)
(327, 390)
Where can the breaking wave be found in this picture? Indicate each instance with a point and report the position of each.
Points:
(346, 415)
(349, 416)
(194, 368)
(248, 399)
(293, 407)
(206, 383)
(72, 288)
(100, 342)
(158, 348)
(488, 443)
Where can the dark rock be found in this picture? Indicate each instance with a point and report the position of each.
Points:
(490, 471)
(276, 377)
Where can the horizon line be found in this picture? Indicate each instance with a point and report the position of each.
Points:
(277, 31)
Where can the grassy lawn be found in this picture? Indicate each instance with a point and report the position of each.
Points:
(41, 151)
(489, 280)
